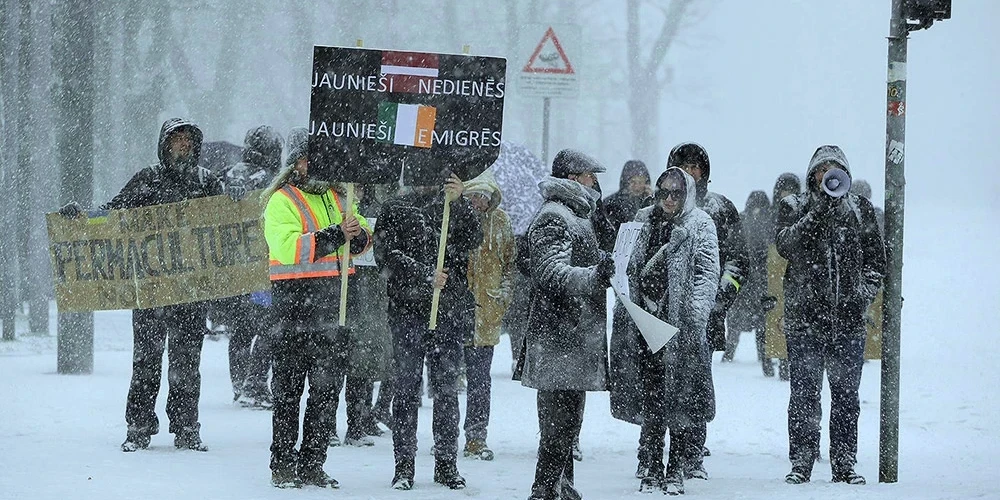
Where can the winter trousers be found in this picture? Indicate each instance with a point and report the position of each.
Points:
(249, 347)
(299, 355)
(653, 430)
(478, 361)
(358, 398)
(183, 332)
(560, 417)
(412, 342)
(843, 357)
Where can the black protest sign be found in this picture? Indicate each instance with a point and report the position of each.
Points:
(157, 256)
(375, 112)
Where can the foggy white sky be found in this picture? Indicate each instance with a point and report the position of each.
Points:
(762, 84)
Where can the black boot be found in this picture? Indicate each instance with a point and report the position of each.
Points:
(403, 477)
(446, 473)
(848, 476)
(316, 476)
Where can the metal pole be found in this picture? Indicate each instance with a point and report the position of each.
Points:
(545, 131)
(895, 184)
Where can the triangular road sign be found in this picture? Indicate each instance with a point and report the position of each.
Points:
(549, 57)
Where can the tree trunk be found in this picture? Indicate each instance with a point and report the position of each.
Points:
(31, 105)
(74, 26)
(8, 142)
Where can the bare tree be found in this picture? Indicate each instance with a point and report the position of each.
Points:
(8, 140)
(73, 54)
(646, 82)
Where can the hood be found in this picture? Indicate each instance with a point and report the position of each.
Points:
(691, 196)
(861, 188)
(631, 169)
(262, 148)
(757, 199)
(297, 145)
(786, 182)
(569, 193)
(486, 183)
(571, 161)
(692, 152)
(822, 155)
(172, 126)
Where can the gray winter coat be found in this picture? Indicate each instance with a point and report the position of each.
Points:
(691, 258)
(566, 339)
(836, 260)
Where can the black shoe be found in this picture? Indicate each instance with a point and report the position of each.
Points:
(696, 472)
(768, 367)
(799, 475)
(446, 473)
(848, 476)
(316, 476)
(285, 478)
(189, 439)
(651, 484)
(403, 478)
(334, 440)
(673, 483)
(135, 441)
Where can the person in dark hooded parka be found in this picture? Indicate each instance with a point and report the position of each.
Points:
(176, 177)
(674, 274)
(747, 313)
(836, 262)
(249, 316)
(633, 193)
(565, 351)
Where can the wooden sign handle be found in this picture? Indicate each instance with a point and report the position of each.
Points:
(345, 260)
(442, 243)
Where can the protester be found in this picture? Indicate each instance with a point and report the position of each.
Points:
(633, 193)
(565, 351)
(747, 312)
(181, 327)
(406, 247)
(835, 267)
(673, 274)
(491, 275)
(733, 260)
(306, 229)
(249, 316)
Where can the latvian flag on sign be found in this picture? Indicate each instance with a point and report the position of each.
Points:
(406, 71)
(406, 124)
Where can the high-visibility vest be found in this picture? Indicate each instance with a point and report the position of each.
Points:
(290, 207)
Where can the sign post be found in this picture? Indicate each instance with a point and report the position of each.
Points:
(548, 72)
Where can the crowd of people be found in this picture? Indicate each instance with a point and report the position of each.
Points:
(697, 264)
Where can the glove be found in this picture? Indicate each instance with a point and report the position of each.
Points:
(768, 302)
(727, 293)
(605, 270)
(236, 182)
(71, 210)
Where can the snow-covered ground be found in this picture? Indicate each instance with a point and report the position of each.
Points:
(59, 435)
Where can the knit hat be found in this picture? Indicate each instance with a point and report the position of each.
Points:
(572, 162)
(297, 146)
(262, 148)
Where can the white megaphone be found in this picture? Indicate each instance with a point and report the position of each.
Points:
(836, 182)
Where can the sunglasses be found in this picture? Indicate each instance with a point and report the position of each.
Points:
(665, 194)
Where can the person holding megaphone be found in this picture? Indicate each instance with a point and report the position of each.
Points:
(836, 262)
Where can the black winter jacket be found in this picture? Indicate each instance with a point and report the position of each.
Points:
(836, 258)
(406, 247)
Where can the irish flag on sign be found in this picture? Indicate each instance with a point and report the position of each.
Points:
(406, 124)
(406, 71)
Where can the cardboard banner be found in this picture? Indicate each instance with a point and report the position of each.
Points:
(628, 233)
(156, 256)
(774, 322)
(374, 113)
